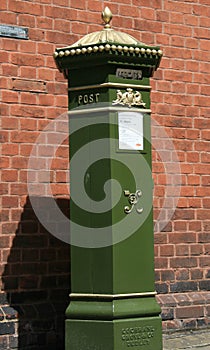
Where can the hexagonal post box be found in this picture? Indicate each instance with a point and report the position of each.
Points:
(112, 300)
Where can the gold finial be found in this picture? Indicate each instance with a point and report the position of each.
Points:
(107, 16)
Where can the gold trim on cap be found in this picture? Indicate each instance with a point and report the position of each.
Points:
(107, 16)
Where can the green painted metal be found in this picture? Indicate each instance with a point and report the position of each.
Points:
(113, 302)
(134, 333)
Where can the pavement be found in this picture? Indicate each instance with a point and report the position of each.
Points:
(189, 340)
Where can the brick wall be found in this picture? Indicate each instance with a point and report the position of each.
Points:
(34, 264)
(180, 102)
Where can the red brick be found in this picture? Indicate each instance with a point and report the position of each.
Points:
(183, 7)
(162, 39)
(26, 136)
(167, 250)
(193, 134)
(28, 124)
(54, 88)
(28, 46)
(79, 28)
(45, 48)
(191, 43)
(194, 203)
(46, 74)
(37, 34)
(205, 90)
(182, 275)
(9, 123)
(186, 214)
(182, 250)
(193, 179)
(25, 7)
(27, 20)
(4, 241)
(23, 176)
(195, 226)
(202, 101)
(190, 312)
(60, 12)
(16, 215)
(97, 6)
(196, 274)
(204, 21)
(9, 228)
(176, 17)
(161, 263)
(149, 26)
(60, 189)
(10, 96)
(204, 261)
(9, 175)
(9, 44)
(19, 163)
(148, 13)
(66, 26)
(4, 189)
(183, 262)
(4, 83)
(44, 22)
(10, 201)
(203, 214)
(26, 72)
(196, 249)
(25, 59)
(202, 169)
(28, 85)
(193, 89)
(160, 238)
(4, 56)
(205, 180)
(192, 20)
(177, 29)
(4, 162)
(9, 69)
(28, 98)
(206, 249)
(3, 5)
(178, 87)
(18, 189)
(178, 76)
(11, 17)
(182, 237)
(78, 4)
(180, 226)
(59, 164)
(204, 237)
(202, 191)
(178, 64)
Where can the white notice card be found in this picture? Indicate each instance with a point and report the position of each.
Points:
(131, 135)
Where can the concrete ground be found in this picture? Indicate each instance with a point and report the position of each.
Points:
(189, 340)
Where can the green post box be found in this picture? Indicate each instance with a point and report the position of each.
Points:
(112, 301)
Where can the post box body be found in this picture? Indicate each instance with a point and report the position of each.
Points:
(112, 302)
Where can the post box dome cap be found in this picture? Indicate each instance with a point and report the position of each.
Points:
(107, 35)
(108, 44)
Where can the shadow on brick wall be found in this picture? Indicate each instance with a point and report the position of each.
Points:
(37, 285)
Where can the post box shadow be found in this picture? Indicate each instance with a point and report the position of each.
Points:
(36, 282)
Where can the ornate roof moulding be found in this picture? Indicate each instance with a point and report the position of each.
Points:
(108, 43)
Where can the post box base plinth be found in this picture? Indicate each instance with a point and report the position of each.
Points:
(138, 333)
